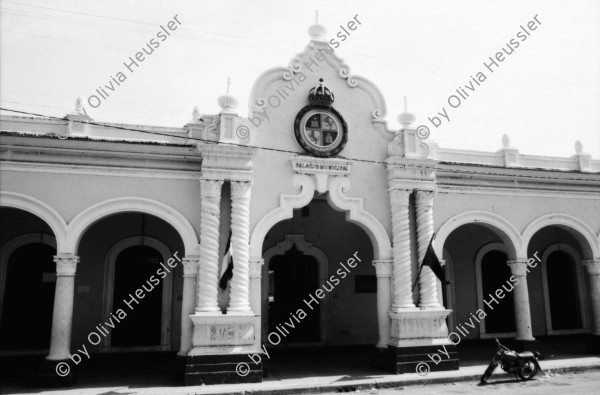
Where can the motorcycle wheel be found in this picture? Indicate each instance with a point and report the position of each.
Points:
(528, 371)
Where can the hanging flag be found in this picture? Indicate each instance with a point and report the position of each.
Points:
(226, 266)
(430, 259)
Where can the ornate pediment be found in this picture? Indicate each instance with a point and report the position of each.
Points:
(274, 86)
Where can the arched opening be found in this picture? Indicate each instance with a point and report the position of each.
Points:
(135, 266)
(28, 298)
(563, 293)
(27, 282)
(495, 274)
(293, 276)
(563, 307)
(476, 258)
(123, 257)
(315, 296)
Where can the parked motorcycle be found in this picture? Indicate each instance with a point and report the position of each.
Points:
(523, 365)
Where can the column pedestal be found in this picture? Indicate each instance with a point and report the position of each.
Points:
(221, 347)
(420, 336)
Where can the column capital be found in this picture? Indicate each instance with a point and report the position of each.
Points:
(190, 265)
(66, 264)
(256, 267)
(383, 267)
(210, 188)
(424, 197)
(400, 195)
(592, 266)
(240, 188)
(518, 267)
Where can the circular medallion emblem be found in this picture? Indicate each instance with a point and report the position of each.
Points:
(320, 131)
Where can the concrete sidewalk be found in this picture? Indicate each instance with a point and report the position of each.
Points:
(342, 383)
(348, 384)
(287, 371)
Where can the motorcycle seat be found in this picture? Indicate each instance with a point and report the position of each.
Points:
(525, 354)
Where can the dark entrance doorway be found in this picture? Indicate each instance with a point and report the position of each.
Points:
(565, 310)
(143, 324)
(495, 273)
(293, 277)
(28, 298)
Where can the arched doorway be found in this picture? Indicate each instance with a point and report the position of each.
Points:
(301, 255)
(27, 280)
(143, 327)
(476, 256)
(28, 298)
(563, 306)
(495, 275)
(124, 268)
(561, 277)
(293, 276)
(132, 264)
(562, 289)
(300, 265)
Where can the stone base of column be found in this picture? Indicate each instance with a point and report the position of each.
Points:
(222, 346)
(593, 344)
(179, 371)
(48, 376)
(417, 334)
(422, 360)
(222, 369)
(419, 327)
(379, 359)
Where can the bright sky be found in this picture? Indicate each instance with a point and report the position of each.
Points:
(545, 95)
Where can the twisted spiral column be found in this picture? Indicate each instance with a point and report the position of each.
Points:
(240, 239)
(402, 258)
(208, 270)
(428, 296)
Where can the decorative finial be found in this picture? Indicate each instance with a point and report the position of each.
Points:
(79, 104)
(196, 114)
(578, 147)
(317, 32)
(406, 118)
(79, 107)
(505, 141)
(227, 102)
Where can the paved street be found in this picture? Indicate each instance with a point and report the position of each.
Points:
(574, 383)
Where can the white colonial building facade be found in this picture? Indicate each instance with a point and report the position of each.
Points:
(120, 231)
